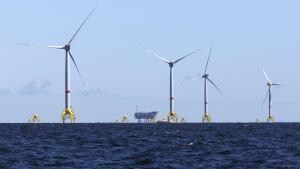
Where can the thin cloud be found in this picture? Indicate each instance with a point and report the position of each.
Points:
(35, 87)
(92, 92)
(5, 92)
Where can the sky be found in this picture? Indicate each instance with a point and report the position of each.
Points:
(120, 74)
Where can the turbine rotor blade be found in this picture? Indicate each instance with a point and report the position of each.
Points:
(265, 98)
(77, 68)
(215, 86)
(186, 56)
(43, 46)
(266, 75)
(208, 60)
(189, 80)
(158, 56)
(276, 84)
(75, 34)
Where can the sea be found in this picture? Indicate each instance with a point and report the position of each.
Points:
(133, 145)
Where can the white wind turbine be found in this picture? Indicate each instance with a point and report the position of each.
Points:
(68, 113)
(172, 114)
(269, 94)
(206, 116)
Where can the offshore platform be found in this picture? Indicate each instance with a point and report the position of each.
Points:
(146, 117)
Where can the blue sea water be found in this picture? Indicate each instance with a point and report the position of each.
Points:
(216, 145)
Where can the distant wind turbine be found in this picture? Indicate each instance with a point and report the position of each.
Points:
(172, 114)
(206, 116)
(68, 113)
(269, 84)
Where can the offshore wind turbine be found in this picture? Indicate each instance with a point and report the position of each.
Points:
(68, 112)
(206, 116)
(269, 94)
(172, 114)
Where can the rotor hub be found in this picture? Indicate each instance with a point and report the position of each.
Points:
(67, 47)
(205, 76)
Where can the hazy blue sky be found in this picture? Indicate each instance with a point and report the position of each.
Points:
(120, 74)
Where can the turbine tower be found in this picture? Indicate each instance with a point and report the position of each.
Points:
(172, 114)
(269, 84)
(68, 113)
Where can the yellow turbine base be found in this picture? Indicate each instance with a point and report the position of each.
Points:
(68, 114)
(271, 119)
(124, 119)
(34, 119)
(172, 116)
(206, 118)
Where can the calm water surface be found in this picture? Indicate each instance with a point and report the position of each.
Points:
(232, 145)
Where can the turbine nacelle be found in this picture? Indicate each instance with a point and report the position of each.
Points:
(171, 64)
(67, 47)
(205, 76)
(269, 84)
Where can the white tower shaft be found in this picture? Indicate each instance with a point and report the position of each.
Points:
(205, 96)
(270, 101)
(171, 90)
(67, 82)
